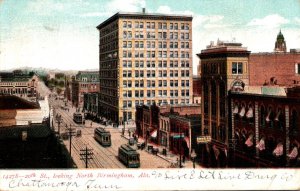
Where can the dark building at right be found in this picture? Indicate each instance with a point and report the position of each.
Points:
(250, 106)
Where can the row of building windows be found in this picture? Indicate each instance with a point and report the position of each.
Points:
(212, 68)
(128, 104)
(109, 28)
(91, 86)
(153, 64)
(152, 83)
(14, 84)
(149, 35)
(108, 83)
(14, 91)
(104, 48)
(108, 38)
(108, 74)
(151, 44)
(161, 25)
(151, 93)
(152, 73)
(151, 54)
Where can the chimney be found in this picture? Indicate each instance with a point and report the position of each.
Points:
(144, 10)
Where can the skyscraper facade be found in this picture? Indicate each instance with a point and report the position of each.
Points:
(144, 58)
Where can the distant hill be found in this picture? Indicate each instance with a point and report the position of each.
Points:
(45, 71)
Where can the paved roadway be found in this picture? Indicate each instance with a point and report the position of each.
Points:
(104, 157)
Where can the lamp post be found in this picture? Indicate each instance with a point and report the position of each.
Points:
(193, 156)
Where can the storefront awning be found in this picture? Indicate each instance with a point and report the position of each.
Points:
(268, 116)
(187, 140)
(154, 134)
(242, 112)
(236, 109)
(249, 113)
(294, 153)
(249, 141)
(277, 116)
(278, 151)
(216, 151)
(261, 145)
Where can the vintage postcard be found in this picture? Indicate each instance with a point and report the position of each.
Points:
(149, 95)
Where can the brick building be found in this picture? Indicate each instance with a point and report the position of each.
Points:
(253, 107)
(19, 84)
(197, 89)
(84, 82)
(224, 67)
(90, 105)
(265, 127)
(175, 127)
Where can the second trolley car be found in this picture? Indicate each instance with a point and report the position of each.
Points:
(77, 118)
(102, 136)
(129, 156)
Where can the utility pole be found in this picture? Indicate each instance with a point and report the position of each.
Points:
(86, 154)
(71, 133)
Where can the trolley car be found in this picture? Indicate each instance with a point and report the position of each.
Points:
(102, 136)
(77, 118)
(129, 156)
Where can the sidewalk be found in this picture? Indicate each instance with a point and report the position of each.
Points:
(173, 159)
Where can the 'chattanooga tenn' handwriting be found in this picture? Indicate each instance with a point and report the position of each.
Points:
(219, 175)
(66, 185)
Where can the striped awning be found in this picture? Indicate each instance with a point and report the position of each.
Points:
(278, 151)
(154, 134)
(261, 145)
(268, 116)
(236, 109)
(242, 112)
(249, 113)
(294, 153)
(277, 116)
(249, 141)
(187, 140)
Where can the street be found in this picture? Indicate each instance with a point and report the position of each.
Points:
(103, 157)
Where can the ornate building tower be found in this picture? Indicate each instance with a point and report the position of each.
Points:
(280, 45)
(224, 67)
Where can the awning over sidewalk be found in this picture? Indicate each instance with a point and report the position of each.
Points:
(249, 113)
(294, 153)
(154, 134)
(261, 145)
(236, 109)
(249, 141)
(187, 140)
(242, 112)
(278, 150)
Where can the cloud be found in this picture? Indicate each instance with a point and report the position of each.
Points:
(96, 14)
(270, 21)
(164, 9)
(45, 8)
(48, 28)
(126, 6)
(297, 20)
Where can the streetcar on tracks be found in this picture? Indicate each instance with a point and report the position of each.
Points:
(129, 156)
(102, 136)
(78, 118)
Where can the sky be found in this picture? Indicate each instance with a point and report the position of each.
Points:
(62, 34)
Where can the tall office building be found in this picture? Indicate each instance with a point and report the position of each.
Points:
(144, 58)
